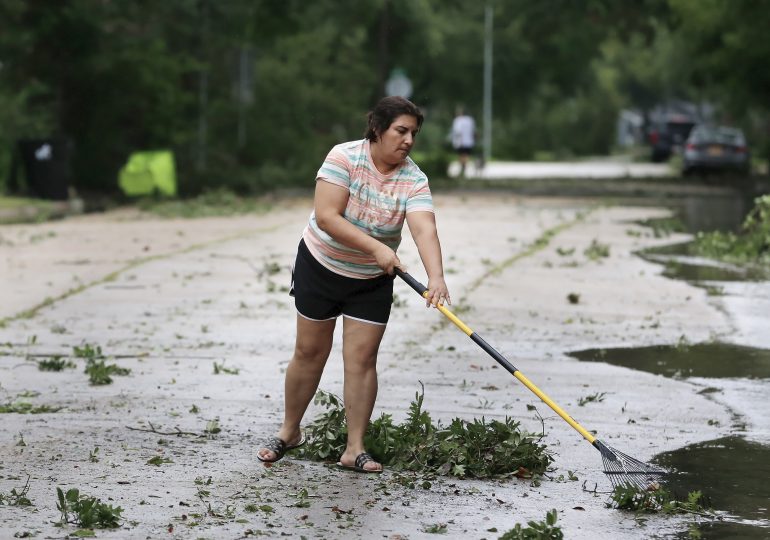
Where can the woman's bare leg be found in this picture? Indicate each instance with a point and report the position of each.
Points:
(311, 350)
(360, 343)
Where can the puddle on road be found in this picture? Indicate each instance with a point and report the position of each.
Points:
(680, 263)
(733, 473)
(702, 212)
(715, 360)
(711, 213)
(691, 271)
(699, 213)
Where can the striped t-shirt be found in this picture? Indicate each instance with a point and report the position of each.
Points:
(378, 204)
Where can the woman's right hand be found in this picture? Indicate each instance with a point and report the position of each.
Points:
(387, 259)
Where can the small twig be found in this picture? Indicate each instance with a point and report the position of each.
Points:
(595, 490)
(256, 270)
(152, 429)
(542, 424)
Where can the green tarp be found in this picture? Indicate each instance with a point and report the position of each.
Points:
(147, 172)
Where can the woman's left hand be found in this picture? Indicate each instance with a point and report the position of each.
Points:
(438, 293)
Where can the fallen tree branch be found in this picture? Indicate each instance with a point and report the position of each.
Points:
(178, 431)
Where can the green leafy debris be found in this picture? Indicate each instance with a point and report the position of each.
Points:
(476, 449)
(596, 397)
(100, 373)
(536, 530)
(436, 528)
(87, 351)
(56, 363)
(656, 499)
(221, 368)
(597, 250)
(86, 512)
(158, 461)
(24, 407)
(750, 245)
(664, 227)
(16, 497)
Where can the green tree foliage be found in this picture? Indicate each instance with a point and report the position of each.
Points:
(251, 94)
(729, 53)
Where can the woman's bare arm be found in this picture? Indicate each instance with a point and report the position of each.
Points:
(330, 202)
(422, 225)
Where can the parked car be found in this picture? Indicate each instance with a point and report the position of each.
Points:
(667, 136)
(715, 149)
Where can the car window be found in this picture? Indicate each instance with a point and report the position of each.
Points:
(729, 136)
(721, 135)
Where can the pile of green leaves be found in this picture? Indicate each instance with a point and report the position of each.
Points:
(476, 449)
(655, 499)
(88, 512)
(536, 530)
(750, 245)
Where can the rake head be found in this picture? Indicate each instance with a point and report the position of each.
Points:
(623, 469)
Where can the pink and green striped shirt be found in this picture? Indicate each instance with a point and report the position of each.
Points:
(378, 204)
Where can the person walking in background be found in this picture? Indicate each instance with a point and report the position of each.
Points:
(463, 137)
(345, 265)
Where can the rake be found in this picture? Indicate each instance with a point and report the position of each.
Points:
(621, 468)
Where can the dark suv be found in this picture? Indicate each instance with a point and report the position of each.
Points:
(667, 136)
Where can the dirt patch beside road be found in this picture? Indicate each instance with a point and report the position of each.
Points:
(170, 299)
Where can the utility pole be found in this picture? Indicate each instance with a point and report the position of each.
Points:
(383, 49)
(487, 132)
(244, 92)
(203, 91)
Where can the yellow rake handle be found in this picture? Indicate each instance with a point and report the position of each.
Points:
(423, 291)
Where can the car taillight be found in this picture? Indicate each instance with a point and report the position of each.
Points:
(740, 149)
(690, 146)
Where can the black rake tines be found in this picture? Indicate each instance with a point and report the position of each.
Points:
(623, 469)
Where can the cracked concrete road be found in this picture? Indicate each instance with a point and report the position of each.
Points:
(169, 299)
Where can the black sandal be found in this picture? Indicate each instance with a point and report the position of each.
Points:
(279, 447)
(362, 459)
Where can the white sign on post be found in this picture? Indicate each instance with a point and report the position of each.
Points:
(398, 84)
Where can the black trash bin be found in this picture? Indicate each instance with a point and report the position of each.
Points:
(46, 164)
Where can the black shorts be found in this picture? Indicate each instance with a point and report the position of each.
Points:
(464, 150)
(320, 294)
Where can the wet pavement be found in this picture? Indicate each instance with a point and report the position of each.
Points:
(731, 471)
(577, 169)
(171, 298)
